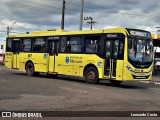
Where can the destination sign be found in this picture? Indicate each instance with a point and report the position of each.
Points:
(139, 33)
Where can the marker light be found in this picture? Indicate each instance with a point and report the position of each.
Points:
(129, 68)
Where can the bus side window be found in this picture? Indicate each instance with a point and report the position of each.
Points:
(92, 44)
(63, 44)
(71, 44)
(121, 51)
(26, 45)
(108, 49)
(39, 45)
(68, 48)
(8, 46)
(115, 49)
(16, 46)
(51, 48)
(76, 44)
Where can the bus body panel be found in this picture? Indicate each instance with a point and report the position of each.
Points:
(92, 59)
(22, 61)
(51, 64)
(68, 64)
(9, 59)
(39, 60)
(119, 70)
(15, 61)
(74, 64)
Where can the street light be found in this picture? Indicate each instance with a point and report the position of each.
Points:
(10, 28)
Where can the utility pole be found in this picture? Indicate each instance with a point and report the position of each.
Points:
(91, 21)
(8, 31)
(63, 13)
(81, 16)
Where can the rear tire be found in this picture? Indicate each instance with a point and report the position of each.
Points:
(91, 75)
(30, 70)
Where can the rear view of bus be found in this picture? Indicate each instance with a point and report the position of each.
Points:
(139, 55)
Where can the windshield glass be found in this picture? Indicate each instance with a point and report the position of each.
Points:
(140, 50)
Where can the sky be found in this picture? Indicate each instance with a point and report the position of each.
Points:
(31, 15)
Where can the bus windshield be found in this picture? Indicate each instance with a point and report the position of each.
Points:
(140, 50)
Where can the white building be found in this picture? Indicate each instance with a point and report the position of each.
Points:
(2, 46)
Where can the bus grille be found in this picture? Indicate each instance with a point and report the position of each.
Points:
(140, 77)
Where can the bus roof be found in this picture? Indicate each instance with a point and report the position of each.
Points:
(60, 32)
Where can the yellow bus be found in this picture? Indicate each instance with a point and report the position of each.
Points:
(118, 54)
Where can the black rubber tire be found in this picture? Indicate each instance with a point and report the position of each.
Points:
(30, 70)
(91, 75)
(115, 82)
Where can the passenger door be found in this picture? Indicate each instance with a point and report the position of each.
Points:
(53, 52)
(9, 54)
(16, 49)
(114, 58)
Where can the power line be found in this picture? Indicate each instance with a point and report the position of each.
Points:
(131, 14)
(74, 4)
(49, 11)
(34, 7)
(2, 31)
(32, 2)
(27, 6)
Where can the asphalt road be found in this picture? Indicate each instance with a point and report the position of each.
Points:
(20, 92)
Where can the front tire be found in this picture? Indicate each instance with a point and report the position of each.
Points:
(91, 75)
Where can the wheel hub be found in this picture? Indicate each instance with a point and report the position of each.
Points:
(91, 75)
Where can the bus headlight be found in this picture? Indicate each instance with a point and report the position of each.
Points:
(129, 68)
